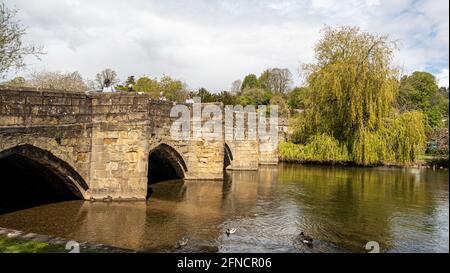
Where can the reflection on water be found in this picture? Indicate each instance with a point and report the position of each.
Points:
(404, 210)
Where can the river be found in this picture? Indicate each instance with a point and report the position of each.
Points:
(342, 208)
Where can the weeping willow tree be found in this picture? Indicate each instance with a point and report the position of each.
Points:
(352, 89)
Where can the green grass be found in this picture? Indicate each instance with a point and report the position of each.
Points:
(436, 160)
(15, 245)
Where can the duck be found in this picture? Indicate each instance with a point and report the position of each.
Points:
(230, 231)
(305, 239)
(107, 199)
(181, 243)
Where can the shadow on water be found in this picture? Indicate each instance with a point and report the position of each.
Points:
(342, 208)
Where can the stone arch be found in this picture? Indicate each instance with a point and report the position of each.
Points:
(38, 176)
(48, 144)
(228, 156)
(165, 163)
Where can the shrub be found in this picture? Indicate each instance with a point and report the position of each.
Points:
(320, 148)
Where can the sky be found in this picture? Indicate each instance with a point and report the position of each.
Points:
(211, 43)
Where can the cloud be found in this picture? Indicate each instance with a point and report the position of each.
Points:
(211, 43)
(442, 77)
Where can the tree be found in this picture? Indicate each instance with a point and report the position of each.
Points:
(227, 98)
(417, 90)
(12, 49)
(283, 110)
(174, 90)
(279, 80)
(16, 82)
(420, 91)
(296, 98)
(205, 95)
(150, 86)
(352, 84)
(264, 80)
(72, 81)
(352, 92)
(106, 74)
(126, 85)
(255, 96)
(441, 100)
(250, 81)
(236, 87)
(130, 80)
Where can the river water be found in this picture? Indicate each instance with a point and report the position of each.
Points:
(342, 208)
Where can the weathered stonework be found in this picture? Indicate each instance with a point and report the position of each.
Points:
(100, 143)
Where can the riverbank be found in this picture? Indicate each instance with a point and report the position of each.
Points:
(332, 154)
(426, 162)
(15, 241)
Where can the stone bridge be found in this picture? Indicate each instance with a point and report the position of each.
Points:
(101, 145)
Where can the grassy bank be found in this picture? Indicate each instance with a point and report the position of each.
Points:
(437, 161)
(16, 245)
(15, 241)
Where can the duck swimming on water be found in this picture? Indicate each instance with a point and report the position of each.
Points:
(305, 239)
(230, 231)
(181, 243)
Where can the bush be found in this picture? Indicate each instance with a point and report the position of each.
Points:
(320, 149)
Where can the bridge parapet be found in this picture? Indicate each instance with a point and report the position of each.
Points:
(32, 108)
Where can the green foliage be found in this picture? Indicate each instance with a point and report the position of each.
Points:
(320, 148)
(368, 148)
(255, 96)
(353, 84)
(283, 110)
(417, 90)
(264, 80)
(130, 80)
(13, 245)
(441, 101)
(349, 103)
(302, 128)
(16, 82)
(205, 95)
(420, 91)
(147, 85)
(174, 90)
(433, 118)
(297, 97)
(400, 140)
(227, 98)
(250, 81)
